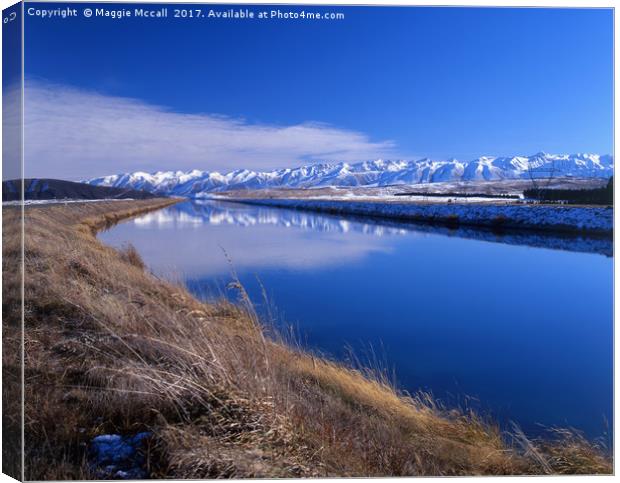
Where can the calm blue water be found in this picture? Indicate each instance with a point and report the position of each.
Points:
(498, 323)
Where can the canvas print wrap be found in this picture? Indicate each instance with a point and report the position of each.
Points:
(292, 241)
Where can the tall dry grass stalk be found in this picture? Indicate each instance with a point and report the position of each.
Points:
(110, 348)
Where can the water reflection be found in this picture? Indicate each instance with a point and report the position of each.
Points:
(190, 238)
(223, 213)
(303, 250)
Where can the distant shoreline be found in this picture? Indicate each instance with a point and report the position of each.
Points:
(590, 220)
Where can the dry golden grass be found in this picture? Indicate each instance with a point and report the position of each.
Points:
(11, 344)
(109, 348)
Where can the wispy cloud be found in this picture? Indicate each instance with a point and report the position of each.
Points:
(72, 134)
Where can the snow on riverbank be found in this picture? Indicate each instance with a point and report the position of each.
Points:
(597, 220)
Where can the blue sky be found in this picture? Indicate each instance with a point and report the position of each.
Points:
(383, 82)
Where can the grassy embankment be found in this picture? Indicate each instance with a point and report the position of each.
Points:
(112, 349)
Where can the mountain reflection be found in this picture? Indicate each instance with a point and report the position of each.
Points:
(190, 238)
(216, 213)
(221, 213)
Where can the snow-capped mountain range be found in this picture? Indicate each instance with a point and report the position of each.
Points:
(369, 173)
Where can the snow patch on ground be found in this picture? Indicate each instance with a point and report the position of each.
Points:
(113, 456)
